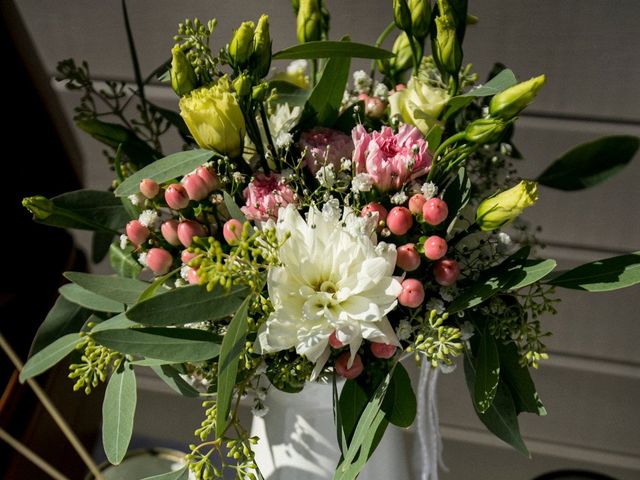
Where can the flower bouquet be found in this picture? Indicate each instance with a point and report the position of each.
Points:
(315, 229)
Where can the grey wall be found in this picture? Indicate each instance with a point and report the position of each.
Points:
(589, 51)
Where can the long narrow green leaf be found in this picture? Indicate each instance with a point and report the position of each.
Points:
(332, 49)
(232, 347)
(518, 379)
(172, 166)
(118, 322)
(487, 372)
(181, 474)
(64, 317)
(152, 289)
(603, 275)
(175, 345)
(189, 304)
(233, 208)
(118, 410)
(122, 262)
(49, 356)
(400, 404)
(171, 377)
(76, 294)
(119, 289)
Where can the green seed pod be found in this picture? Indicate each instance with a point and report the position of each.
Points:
(512, 101)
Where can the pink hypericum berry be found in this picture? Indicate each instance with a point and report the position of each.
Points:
(374, 107)
(196, 187)
(408, 257)
(136, 232)
(446, 272)
(399, 220)
(416, 202)
(334, 342)
(435, 211)
(232, 231)
(412, 294)
(176, 196)
(189, 229)
(209, 176)
(149, 188)
(435, 247)
(349, 373)
(186, 256)
(400, 87)
(192, 277)
(169, 230)
(372, 208)
(383, 350)
(159, 260)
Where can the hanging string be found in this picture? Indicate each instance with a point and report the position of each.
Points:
(428, 424)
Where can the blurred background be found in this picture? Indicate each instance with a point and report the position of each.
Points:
(589, 51)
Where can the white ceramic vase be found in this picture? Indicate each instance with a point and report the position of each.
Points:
(298, 440)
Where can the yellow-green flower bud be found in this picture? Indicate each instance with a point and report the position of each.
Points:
(504, 207)
(40, 206)
(446, 47)
(484, 130)
(261, 57)
(402, 15)
(420, 18)
(260, 92)
(403, 57)
(309, 21)
(183, 77)
(214, 118)
(241, 46)
(420, 104)
(242, 85)
(512, 101)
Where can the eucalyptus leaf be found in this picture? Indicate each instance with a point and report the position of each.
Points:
(120, 289)
(518, 379)
(190, 304)
(487, 372)
(181, 474)
(76, 294)
(172, 377)
(400, 401)
(457, 194)
(503, 80)
(175, 345)
(352, 402)
(118, 410)
(289, 93)
(123, 262)
(64, 317)
(590, 163)
(172, 166)
(331, 49)
(233, 208)
(100, 243)
(152, 288)
(117, 322)
(603, 275)
(501, 418)
(49, 356)
(231, 349)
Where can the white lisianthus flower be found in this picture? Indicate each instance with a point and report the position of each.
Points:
(333, 278)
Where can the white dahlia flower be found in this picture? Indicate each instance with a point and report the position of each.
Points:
(333, 278)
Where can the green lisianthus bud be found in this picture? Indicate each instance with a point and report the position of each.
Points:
(242, 85)
(40, 206)
(183, 77)
(420, 18)
(512, 101)
(403, 57)
(484, 130)
(259, 92)
(309, 21)
(402, 15)
(214, 118)
(446, 47)
(241, 46)
(504, 207)
(261, 56)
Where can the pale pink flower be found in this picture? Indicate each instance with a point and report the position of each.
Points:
(324, 146)
(391, 160)
(265, 195)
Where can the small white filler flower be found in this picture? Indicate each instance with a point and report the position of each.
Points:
(333, 278)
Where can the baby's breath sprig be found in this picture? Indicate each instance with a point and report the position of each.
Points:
(95, 363)
(438, 342)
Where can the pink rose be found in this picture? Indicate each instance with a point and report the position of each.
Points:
(323, 146)
(391, 160)
(265, 195)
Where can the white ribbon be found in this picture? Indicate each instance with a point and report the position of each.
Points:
(429, 439)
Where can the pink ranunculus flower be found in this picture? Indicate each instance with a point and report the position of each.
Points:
(323, 146)
(391, 160)
(265, 195)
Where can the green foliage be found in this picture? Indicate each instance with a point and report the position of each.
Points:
(435, 340)
(49, 356)
(92, 301)
(118, 410)
(119, 289)
(331, 49)
(123, 262)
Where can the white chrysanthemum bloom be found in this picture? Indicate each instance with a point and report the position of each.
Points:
(333, 278)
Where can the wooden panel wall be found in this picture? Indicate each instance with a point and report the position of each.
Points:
(589, 51)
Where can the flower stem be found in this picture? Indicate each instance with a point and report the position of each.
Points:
(31, 456)
(383, 36)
